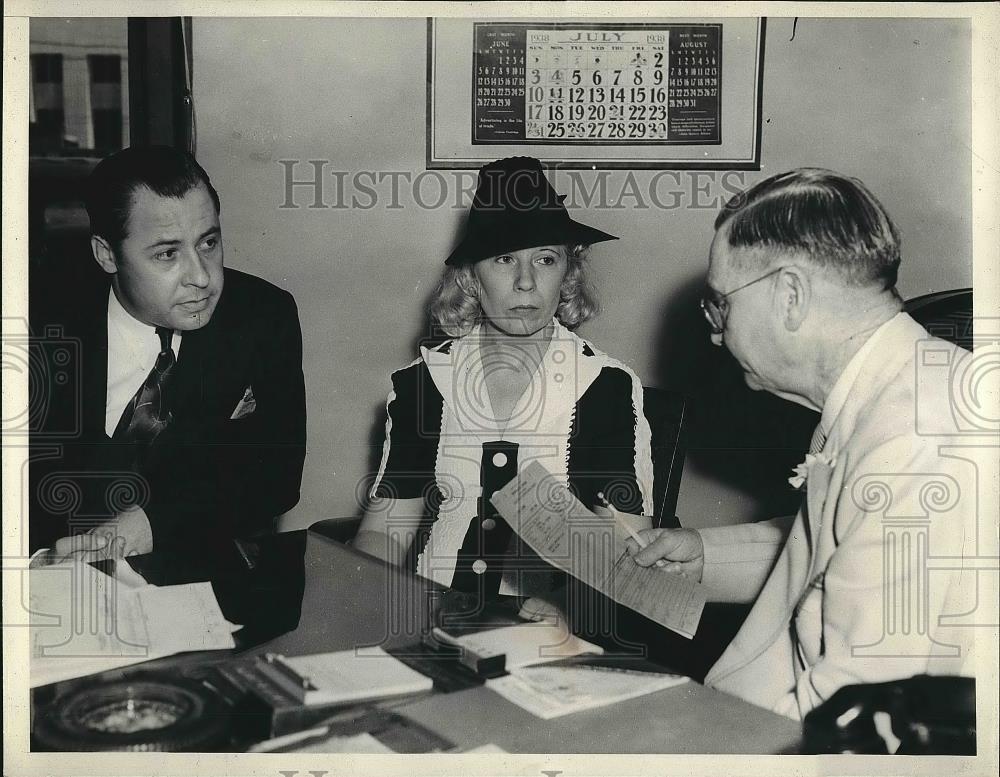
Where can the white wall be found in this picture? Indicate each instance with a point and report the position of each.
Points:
(885, 100)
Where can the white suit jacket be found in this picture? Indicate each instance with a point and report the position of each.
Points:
(858, 587)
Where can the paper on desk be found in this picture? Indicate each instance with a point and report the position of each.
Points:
(184, 617)
(356, 743)
(527, 643)
(552, 691)
(321, 741)
(83, 621)
(348, 675)
(557, 526)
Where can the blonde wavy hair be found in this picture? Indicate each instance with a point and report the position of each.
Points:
(456, 309)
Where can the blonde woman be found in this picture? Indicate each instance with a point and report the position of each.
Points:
(515, 385)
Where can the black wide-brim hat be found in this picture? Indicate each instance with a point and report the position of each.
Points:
(515, 208)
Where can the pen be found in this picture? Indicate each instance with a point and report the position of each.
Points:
(632, 532)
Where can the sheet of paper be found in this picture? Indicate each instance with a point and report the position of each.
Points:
(528, 643)
(676, 604)
(358, 743)
(347, 675)
(83, 621)
(552, 691)
(319, 741)
(184, 617)
(557, 526)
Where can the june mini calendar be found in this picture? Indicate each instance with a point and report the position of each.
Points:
(625, 84)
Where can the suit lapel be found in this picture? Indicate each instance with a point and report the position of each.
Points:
(188, 386)
(206, 365)
(817, 490)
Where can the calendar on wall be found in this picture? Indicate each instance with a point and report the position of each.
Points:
(568, 84)
(657, 93)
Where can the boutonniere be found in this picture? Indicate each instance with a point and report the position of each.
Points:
(800, 474)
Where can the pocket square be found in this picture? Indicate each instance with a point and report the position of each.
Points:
(245, 406)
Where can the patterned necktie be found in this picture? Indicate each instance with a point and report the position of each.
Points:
(818, 439)
(148, 412)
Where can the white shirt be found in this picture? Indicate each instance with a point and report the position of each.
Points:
(132, 350)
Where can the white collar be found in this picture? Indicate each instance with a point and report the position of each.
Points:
(562, 376)
(845, 382)
(139, 337)
(125, 324)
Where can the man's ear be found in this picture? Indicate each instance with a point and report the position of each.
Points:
(794, 296)
(103, 253)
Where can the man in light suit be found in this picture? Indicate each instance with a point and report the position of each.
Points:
(188, 429)
(802, 280)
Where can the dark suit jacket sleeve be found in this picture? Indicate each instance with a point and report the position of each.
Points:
(242, 473)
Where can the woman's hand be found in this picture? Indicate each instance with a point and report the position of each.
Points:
(682, 551)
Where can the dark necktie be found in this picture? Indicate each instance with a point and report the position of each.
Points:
(148, 412)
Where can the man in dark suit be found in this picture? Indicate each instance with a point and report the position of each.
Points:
(185, 426)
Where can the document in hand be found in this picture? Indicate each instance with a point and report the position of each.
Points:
(84, 621)
(557, 526)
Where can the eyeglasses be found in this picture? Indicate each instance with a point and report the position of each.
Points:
(716, 309)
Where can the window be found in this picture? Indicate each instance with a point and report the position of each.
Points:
(107, 129)
(97, 85)
(48, 119)
(46, 68)
(105, 68)
(106, 102)
(77, 89)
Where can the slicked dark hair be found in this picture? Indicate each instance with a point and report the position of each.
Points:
(833, 219)
(165, 171)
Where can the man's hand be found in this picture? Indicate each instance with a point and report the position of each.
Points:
(128, 534)
(681, 549)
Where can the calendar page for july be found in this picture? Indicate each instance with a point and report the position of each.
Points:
(597, 84)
